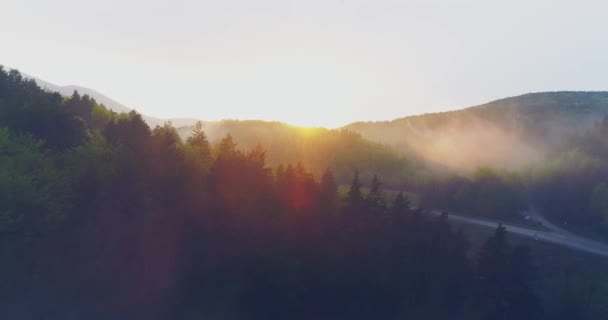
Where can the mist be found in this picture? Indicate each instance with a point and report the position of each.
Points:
(510, 133)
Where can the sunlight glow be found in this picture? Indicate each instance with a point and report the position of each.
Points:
(303, 95)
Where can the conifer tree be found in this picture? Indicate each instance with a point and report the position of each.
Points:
(492, 274)
(375, 199)
(354, 199)
(198, 140)
(401, 204)
(329, 190)
(227, 147)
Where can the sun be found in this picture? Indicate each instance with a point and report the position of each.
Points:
(301, 95)
(308, 131)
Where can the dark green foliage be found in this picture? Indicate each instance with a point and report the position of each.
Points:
(506, 277)
(487, 193)
(401, 204)
(197, 152)
(354, 199)
(24, 108)
(166, 135)
(570, 187)
(33, 194)
(317, 149)
(198, 140)
(103, 218)
(129, 130)
(328, 189)
(492, 272)
(375, 199)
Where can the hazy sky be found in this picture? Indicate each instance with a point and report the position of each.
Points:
(308, 62)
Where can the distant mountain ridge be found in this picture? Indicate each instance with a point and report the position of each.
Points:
(68, 90)
(108, 102)
(506, 132)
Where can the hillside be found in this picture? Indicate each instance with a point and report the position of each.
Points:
(73, 172)
(154, 218)
(508, 132)
(317, 148)
(108, 102)
(68, 90)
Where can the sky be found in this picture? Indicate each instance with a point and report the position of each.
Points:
(308, 62)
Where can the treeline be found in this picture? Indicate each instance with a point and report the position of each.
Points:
(508, 133)
(318, 149)
(487, 193)
(103, 218)
(571, 187)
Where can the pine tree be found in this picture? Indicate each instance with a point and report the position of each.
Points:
(375, 199)
(401, 204)
(329, 190)
(166, 136)
(258, 156)
(521, 296)
(198, 140)
(354, 199)
(506, 280)
(492, 273)
(227, 147)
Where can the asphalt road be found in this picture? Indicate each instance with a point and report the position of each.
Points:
(560, 238)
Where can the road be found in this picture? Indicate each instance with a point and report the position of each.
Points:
(532, 212)
(560, 238)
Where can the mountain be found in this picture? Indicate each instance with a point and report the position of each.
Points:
(317, 148)
(68, 90)
(108, 102)
(504, 133)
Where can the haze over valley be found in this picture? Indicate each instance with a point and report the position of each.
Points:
(335, 159)
(509, 133)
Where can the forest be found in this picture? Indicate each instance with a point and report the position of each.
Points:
(102, 217)
(569, 187)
